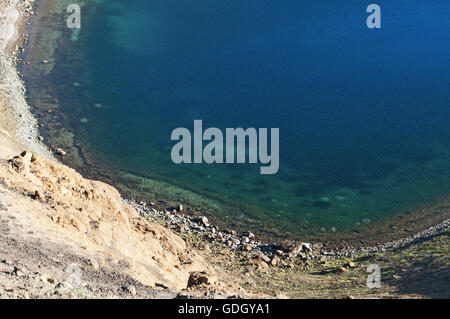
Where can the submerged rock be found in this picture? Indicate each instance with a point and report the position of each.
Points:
(60, 152)
(323, 202)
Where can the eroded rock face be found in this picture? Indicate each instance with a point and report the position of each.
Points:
(91, 215)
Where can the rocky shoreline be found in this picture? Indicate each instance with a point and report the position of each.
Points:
(246, 241)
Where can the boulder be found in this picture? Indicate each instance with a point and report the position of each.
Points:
(199, 278)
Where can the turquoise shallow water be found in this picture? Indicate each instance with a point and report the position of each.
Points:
(363, 114)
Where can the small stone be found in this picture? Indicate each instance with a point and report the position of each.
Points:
(203, 220)
(351, 264)
(263, 258)
(231, 232)
(342, 269)
(94, 264)
(248, 234)
(248, 248)
(60, 285)
(37, 195)
(198, 278)
(279, 253)
(262, 264)
(16, 271)
(245, 240)
(60, 151)
(274, 261)
(130, 289)
(306, 247)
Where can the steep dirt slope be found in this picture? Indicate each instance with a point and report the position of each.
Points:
(48, 198)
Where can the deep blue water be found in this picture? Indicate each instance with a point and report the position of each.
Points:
(363, 114)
